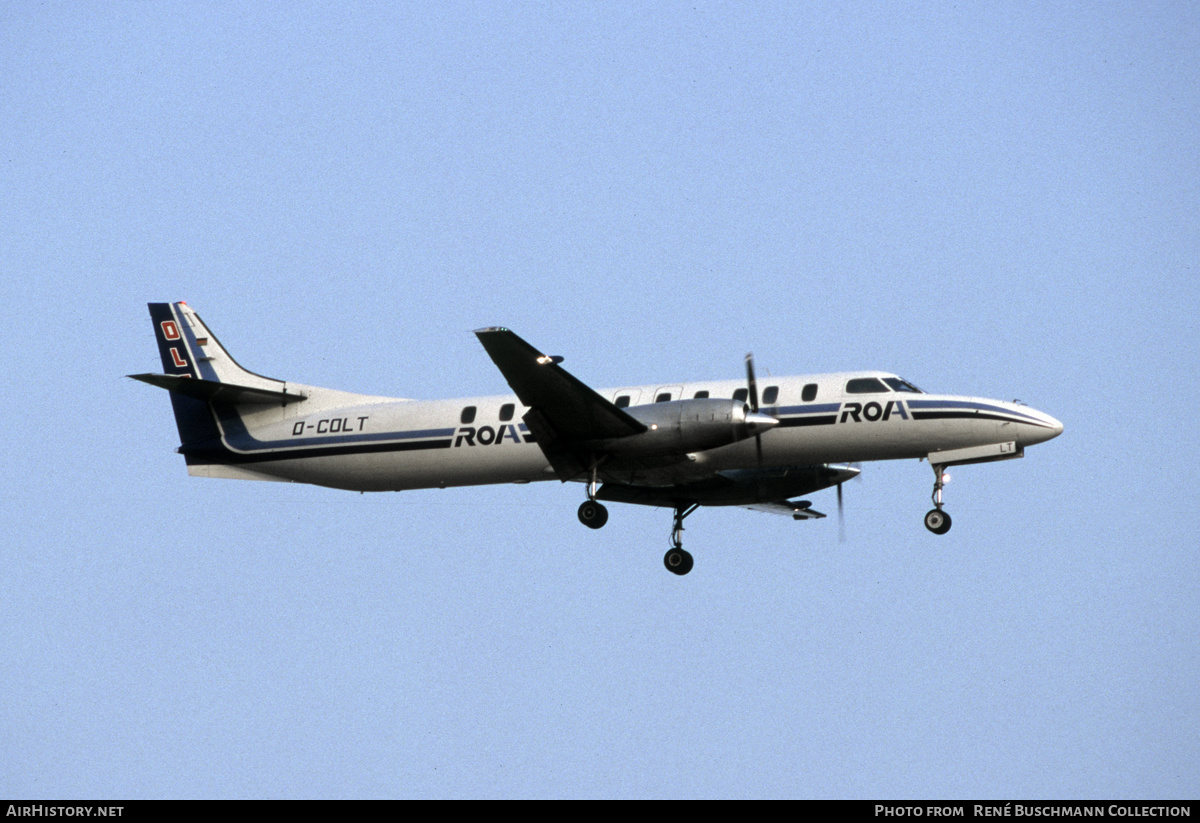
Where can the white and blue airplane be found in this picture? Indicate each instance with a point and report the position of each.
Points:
(675, 445)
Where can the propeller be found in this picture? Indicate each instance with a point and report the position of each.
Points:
(841, 509)
(752, 386)
(841, 517)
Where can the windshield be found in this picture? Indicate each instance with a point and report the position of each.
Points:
(901, 385)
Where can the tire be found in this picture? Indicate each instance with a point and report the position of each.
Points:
(592, 514)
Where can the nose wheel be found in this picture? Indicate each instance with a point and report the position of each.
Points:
(937, 520)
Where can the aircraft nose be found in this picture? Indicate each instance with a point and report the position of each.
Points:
(1049, 428)
(1056, 427)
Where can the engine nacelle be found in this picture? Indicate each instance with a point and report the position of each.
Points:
(681, 426)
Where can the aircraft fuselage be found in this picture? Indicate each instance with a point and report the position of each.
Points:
(392, 445)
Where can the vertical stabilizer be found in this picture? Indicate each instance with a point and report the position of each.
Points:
(199, 373)
(193, 417)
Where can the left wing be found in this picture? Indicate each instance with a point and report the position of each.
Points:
(766, 490)
(795, 509)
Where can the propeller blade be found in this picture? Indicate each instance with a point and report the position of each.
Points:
(841, 517)
(751, 383)
(752, 386)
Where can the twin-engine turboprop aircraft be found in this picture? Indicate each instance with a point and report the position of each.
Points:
(676, 445)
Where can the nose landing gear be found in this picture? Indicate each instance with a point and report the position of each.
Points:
(936, 520)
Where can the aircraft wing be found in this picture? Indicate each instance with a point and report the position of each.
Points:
(571, 408)
(769, 491)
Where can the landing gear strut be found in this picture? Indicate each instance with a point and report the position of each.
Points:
(592, 514)
(677, 559)
(936, 520)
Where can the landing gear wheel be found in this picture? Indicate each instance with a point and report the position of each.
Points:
(937, 521)
(678, 561)
(592, 514)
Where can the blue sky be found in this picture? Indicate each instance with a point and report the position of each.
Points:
(992, 200)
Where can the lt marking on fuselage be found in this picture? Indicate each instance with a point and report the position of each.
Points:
(872, 411)
(329, 425)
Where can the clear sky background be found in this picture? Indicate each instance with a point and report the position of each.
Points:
(991, 199)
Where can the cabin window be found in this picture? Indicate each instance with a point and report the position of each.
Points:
(809, 393)
(866, 385)
(740, 395)
(770, 395)
(506, 412)
(700, 395)
(901, 385)
(622, 401)
(468, 415)
(663, 398)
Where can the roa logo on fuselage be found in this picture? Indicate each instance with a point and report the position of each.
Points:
(872, 411)
(486, 435)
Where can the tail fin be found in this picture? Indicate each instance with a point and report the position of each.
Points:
(189, 348)
(198, 371)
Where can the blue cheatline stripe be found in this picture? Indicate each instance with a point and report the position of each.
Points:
(222, 455)
(817, 414)
(236, 436)
(815, 408)
(945, 409)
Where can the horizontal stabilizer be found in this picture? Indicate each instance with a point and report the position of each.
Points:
(212, 390)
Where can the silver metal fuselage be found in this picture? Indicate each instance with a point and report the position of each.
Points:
(364, 443)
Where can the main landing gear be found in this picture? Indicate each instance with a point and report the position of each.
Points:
(936, 520)
(677, 559)
(592, 514)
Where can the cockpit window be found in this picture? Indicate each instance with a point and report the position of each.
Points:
(901, 385)
(865, 385)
